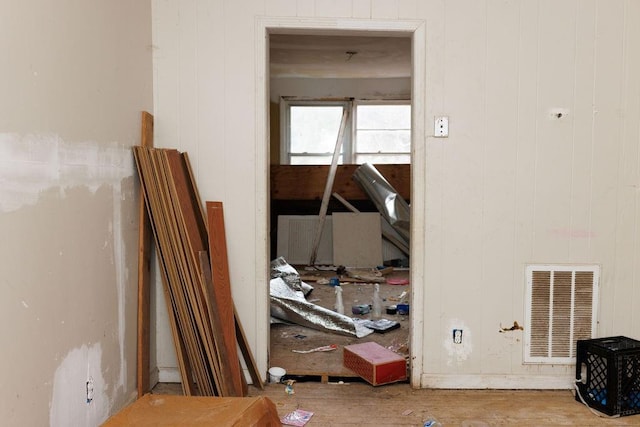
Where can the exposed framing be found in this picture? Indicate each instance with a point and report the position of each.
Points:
(293, 25)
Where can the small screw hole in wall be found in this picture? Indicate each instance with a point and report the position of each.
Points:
(559, 115)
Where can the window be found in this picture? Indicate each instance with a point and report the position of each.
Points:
(376, 132)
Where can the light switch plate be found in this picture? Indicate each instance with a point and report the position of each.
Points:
(441, 127)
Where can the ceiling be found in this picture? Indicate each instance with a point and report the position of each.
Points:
(322, 56)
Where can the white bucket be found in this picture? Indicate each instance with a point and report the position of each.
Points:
(276, 374)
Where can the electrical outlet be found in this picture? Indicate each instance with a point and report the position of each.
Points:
(457, 336)
(89, 386)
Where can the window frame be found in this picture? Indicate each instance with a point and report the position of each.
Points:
(354, 121)
(349, 142)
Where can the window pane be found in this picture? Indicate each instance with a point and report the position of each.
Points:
(383, 158)
(374, 141)
(314, 129)
(384, 117)
(383, 133)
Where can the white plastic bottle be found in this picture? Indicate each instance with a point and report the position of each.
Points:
(376, 312)
(339, 307)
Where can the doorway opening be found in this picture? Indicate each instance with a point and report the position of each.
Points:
(308, 62)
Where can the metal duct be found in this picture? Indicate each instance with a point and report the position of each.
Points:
(387, 200)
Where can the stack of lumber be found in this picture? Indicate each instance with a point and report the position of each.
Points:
(192, 258)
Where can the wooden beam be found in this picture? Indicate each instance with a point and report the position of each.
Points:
(144, 272)
(153, 196)
(243, 343)
(304, 182)
(222, 288)
(328, 187)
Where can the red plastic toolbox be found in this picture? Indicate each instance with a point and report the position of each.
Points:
(376, 364)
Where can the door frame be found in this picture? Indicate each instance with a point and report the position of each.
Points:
(415, 29)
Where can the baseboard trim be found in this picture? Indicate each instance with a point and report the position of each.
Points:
(510, 382)
(172, 375)
(153, 378)
(169, 375)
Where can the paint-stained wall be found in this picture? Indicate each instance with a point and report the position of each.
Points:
(515, 182)
(73, 80)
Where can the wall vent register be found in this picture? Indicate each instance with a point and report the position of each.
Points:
(561, 308)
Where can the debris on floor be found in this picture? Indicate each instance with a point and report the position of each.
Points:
(288, 388)
(297, 418)
(374, 363)
(289, 303)
(381, 325)
(313, 350)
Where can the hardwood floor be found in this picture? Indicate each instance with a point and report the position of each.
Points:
(359, 404)
(356, 403)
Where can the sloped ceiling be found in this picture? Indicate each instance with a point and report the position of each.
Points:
(314, 56)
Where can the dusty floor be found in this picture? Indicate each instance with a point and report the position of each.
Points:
(359, 404)
(327, 365)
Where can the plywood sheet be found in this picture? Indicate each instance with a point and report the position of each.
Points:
(357, 239)
(168, 410)
(307, 182)
(222, 290)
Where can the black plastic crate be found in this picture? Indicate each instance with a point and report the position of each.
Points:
(608, 374)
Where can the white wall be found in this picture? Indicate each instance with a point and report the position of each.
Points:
(513, 184)
(73, 80)
(383, 88)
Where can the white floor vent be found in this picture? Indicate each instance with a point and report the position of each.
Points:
(561, 303)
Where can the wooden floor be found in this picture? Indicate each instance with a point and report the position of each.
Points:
(356, 403)
(359, 404)
(327, 366)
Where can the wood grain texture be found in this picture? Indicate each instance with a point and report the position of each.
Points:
(355, 404)
(153, 198)
(302, 182)
(216, 321)
(328, 188)
(360, 404)
(247, 354)
(171, 410)
(144, 271)
(222, 287)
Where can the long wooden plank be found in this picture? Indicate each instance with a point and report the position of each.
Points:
(218, 355)
(144, 271)
(171, 250)
(247, 354)
(170, 245)
(307, 182)
(152, 197)
(222, 287)
(214, 315)
(201, 313)
(195, 321)
(328, 187)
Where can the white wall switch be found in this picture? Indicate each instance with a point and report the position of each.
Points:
(441, 127)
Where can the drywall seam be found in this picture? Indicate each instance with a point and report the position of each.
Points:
(33, 163)
(121, 274)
